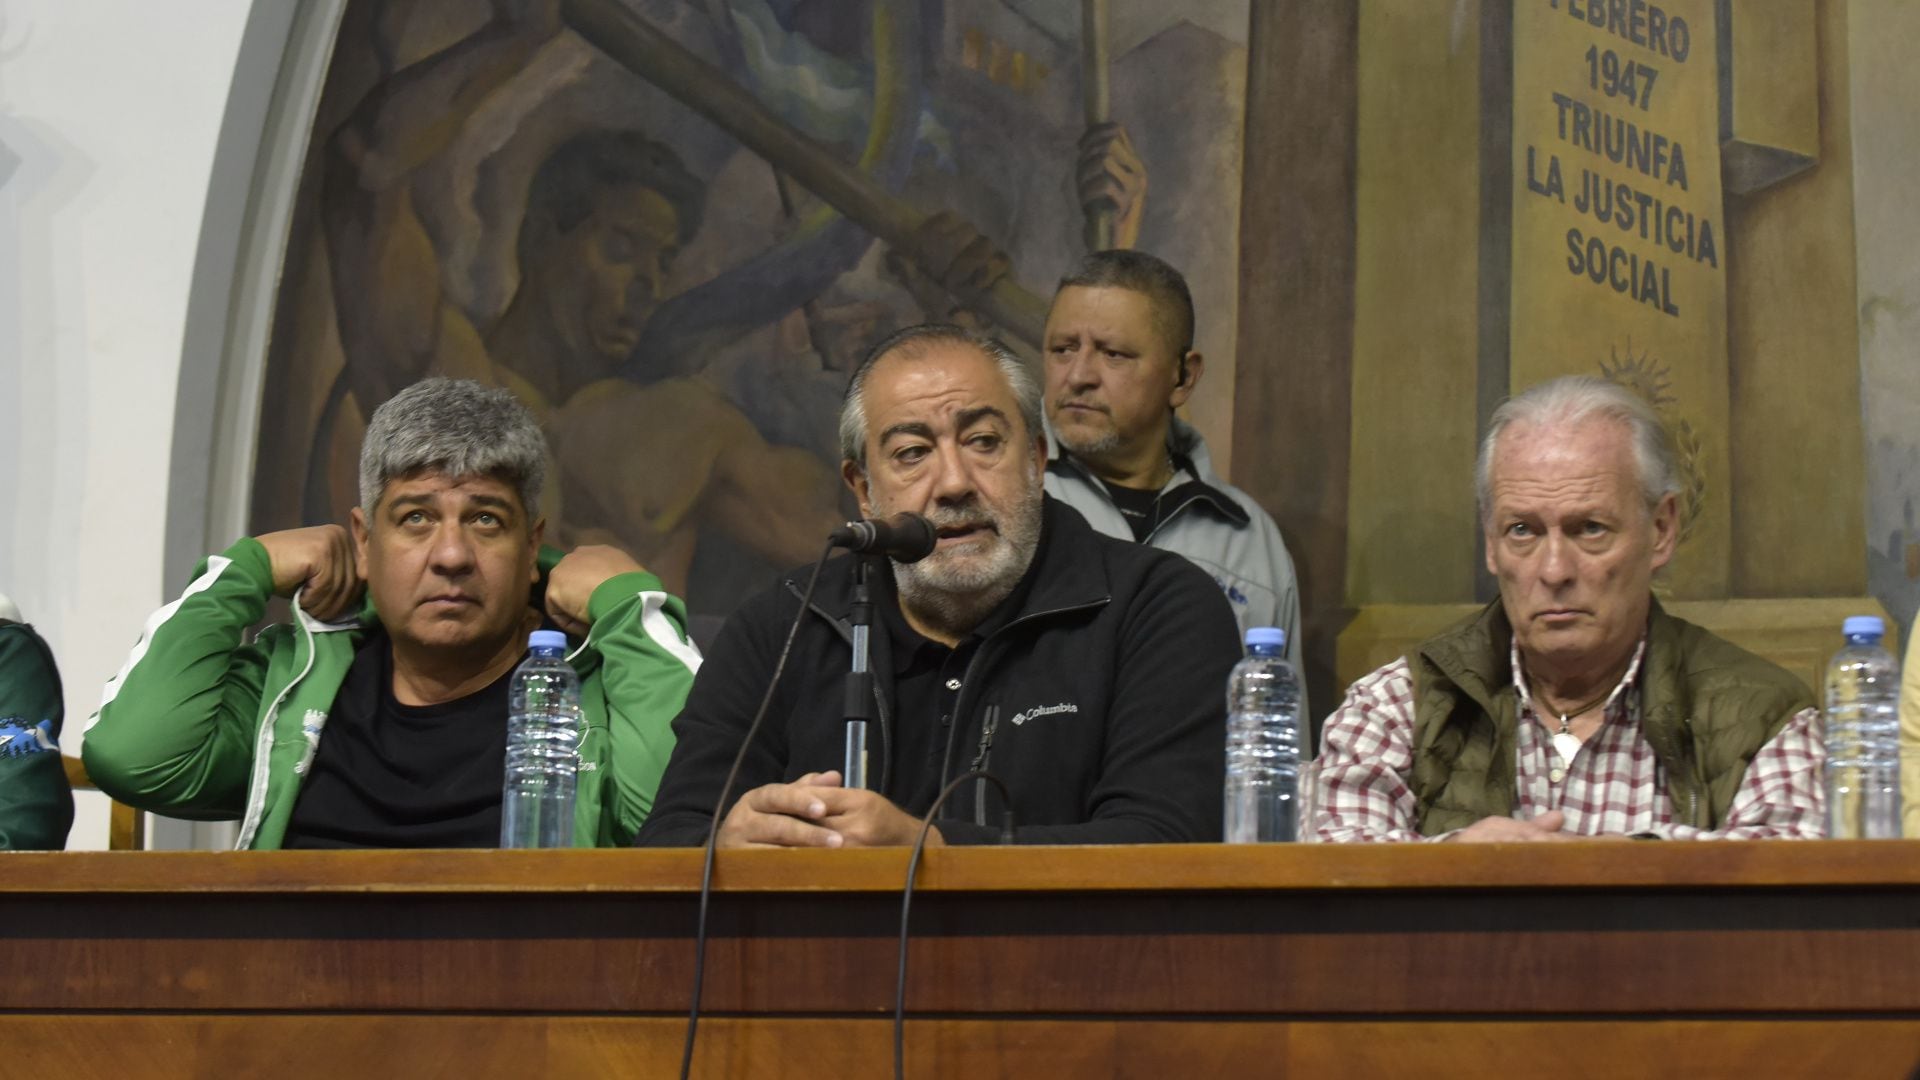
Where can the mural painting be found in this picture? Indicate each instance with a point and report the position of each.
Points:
(674, 241)
(673, 226)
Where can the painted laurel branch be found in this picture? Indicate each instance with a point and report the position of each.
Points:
(1693, 476)
(1648, 377)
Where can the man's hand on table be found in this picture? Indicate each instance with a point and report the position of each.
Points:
(1508, 830)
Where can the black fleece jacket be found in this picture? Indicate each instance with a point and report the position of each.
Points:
(1108, 684)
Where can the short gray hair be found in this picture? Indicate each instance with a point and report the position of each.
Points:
(914, 341)
(457, 427)
(1168, 297)
(1566, 403)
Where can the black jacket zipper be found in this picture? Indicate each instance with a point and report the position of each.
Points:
(987, 728)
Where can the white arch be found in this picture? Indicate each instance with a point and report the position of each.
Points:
(277, 82)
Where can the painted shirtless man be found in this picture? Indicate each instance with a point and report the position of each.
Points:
(645, 465)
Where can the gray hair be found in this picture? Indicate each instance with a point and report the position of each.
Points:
(1567, 402)
(1152, 277)
(457, 427)
(913, 342)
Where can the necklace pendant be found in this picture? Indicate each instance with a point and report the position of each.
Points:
(1566, 744)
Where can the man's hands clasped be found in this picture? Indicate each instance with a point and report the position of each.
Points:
(1508, 830)
(1549, 826)
(815, 811)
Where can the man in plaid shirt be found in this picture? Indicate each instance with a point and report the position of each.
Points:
(1574, 706)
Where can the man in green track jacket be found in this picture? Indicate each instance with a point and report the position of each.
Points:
(409, 685)
(36, 805)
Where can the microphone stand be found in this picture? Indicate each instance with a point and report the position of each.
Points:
(859, 703)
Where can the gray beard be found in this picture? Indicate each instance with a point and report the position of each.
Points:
(953, 613)
(956, 598)
(1097, 446)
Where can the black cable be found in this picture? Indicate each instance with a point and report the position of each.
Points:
(713, 828)
(906, 901)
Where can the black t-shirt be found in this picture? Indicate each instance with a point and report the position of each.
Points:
(403, 776)
(928, 678)
(926, 682)
(1138, 506)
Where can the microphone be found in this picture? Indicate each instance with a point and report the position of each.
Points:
(905, 537)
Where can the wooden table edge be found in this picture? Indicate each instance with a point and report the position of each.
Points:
(1172, 868)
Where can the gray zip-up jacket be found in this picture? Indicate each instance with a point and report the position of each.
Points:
(1216, 526)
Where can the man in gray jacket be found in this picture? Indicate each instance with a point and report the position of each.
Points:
(1119, 361)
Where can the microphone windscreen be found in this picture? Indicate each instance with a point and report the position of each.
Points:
(915, 537)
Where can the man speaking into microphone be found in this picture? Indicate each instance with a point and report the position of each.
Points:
(1085, 673)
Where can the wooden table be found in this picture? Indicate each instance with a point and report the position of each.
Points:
(1590, 959)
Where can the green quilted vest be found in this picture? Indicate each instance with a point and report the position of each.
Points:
(1707, 706)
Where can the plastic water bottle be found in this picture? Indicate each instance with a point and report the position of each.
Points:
(543, 747)
(1263, 742)
(1863, 735)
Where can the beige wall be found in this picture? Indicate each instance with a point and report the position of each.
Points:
(1795, 372)
(1886, 160)
(1411, 537)
(1774, 399)
(1885, 81)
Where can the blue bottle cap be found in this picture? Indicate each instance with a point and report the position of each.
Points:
(1266, 635)
(547, 639)
(1870, 625)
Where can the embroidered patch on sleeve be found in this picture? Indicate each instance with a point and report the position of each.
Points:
(18, 738)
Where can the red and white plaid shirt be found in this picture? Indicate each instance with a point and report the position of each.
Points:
(1614, 785)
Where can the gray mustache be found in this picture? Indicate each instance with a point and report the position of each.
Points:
(952, 517)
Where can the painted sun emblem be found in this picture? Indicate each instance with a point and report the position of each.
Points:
(1642, 374)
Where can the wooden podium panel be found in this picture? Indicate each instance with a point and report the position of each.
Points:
(1755, 959)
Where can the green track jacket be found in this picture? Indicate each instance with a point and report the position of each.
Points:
(199, 725)
(36, 805)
